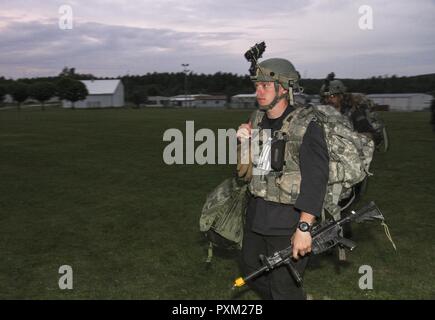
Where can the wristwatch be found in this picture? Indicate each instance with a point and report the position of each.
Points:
(304, 226)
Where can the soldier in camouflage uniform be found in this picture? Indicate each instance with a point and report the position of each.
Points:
(289, 180)
(356, 107)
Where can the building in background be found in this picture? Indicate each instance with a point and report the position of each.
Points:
(402, 101)
(158, 101)
(244, 101)
(198, 101)
(249, 100)
(102, 93)
(209, 101)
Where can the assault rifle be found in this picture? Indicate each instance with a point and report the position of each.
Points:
(324, 237)
(253, 54)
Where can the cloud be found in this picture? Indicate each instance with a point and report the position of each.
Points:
(103, 49)
(114, 37)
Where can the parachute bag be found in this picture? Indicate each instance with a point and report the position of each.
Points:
(223, 215)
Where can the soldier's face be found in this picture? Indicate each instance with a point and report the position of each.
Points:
(334, 100)
(265, 92)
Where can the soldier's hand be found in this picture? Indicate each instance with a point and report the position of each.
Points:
(367, 134)
(301, 242)
(244, 131)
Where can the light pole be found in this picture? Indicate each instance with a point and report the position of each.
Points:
(186, 71)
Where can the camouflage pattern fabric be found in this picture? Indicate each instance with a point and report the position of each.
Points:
(358, 107)
(350, 155)
(283, 187)
(244, 170)
(223, 214)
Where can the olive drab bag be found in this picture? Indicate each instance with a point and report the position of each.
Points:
(223, 215)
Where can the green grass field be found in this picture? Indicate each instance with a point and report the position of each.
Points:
(89, 189)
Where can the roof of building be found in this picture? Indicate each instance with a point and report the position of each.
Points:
(396, 95)
(192, 97)
(158, 98)
(101, 86)
(211, 98)
(245, 95)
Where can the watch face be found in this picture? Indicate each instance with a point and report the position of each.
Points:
(304, 226)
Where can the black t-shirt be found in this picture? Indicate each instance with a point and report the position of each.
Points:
(271, 218)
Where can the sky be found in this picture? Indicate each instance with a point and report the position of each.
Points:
(114, 38)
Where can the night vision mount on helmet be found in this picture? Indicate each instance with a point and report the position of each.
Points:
(253, 54)
(332, 86)
(276, 70)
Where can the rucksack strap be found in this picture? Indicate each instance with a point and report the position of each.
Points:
(209, 252)
(256, 118)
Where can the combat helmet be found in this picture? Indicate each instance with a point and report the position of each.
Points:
(280, 72)
(332, 86)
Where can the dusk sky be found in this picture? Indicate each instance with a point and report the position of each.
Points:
(114, 37)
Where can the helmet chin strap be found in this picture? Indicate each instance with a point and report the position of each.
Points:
(290, 96)
(276, 99)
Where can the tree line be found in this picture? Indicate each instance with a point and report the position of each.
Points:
(66, 86)
(138, 87)
(169, 84)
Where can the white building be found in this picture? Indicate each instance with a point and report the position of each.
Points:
(403, 101)
(181, 100)
(157, 101)
(102, 93)
(304, 99)
(198, 101)
(245, 101)
(208, 101)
